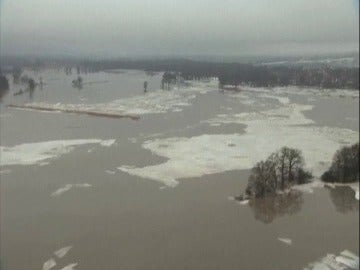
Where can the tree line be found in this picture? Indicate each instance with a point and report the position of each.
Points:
(285, 168)
(236, 74)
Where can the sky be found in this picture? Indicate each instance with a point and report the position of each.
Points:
(116, 28)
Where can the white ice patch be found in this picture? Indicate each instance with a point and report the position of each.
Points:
(70, 267)
(41, 152)
(62, 252)
(281, 99)
(49, 264)
(67, 187)
(245, 202)
(107, 143)
(345, 261)
(266, 132)
(110, 172)
(286, 241)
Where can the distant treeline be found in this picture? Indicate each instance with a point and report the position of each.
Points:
(236, 74)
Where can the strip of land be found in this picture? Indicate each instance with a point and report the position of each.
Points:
(73, 111)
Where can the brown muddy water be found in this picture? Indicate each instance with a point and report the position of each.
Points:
(154, 193)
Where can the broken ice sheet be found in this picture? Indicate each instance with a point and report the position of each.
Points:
(345, 261)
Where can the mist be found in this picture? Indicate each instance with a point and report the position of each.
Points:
(111, 28)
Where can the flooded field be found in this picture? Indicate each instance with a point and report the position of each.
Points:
(82, 190)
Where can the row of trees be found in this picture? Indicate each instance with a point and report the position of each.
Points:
(285, 168)
(236, 74)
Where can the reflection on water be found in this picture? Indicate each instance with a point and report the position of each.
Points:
(269, 208)
(3, 93)
(344, 199)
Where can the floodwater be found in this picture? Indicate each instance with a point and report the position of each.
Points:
(85, 192)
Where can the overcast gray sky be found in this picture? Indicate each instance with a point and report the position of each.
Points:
(178, 27)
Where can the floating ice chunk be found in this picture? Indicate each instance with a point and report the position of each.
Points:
(281, 99)
(286, 241)
(62, 252)
(107, 143)
(49, 264)
(110, 172)
(345, 261)
(244, 202)
(67, 187)
(41, 152)
(70, 267)
(62, 190)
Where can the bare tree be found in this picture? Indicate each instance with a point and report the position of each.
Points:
(280, 170)
(345, 166)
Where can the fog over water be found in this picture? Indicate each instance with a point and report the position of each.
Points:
(111, 28)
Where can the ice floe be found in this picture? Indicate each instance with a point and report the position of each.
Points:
(286, 241)
(70, 267)
(345, 261)
(266, 132)
(67, 187)
(62, 251)
(49, 264)
(281, 99)
(41, 152)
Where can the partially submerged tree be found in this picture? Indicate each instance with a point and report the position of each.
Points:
(345, 166)
(4, 86)
(168, 79)
(78, 83)
(16, 75)
(281, 170)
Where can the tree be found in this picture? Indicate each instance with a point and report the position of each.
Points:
(31, 84)
(168, 79)
(4, 83)
(16, 75)
(345, 166)
(4, 86)
(280, 170)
